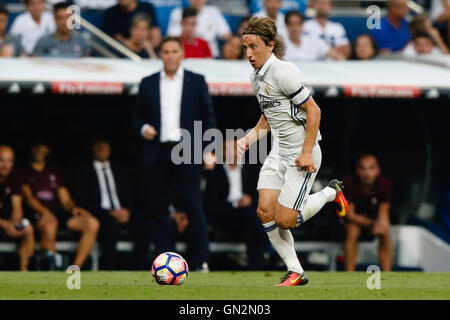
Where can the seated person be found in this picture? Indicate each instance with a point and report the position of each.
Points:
(211, 24)
(230, 203)
(117, 20)
(272, 10)
(10, 46)
(421, 44)
(51, 203)
(232, 49)
(440, 16)
(33, 24)
(301, 47)
(421, 24)
(333, 33)
(103, 188)
(393, 34)
(64, 43)
(194, 47)
(11, 213)
(369, 198)
(364, 48)
(139, 41)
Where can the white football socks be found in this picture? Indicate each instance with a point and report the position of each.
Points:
(314, 203)
(283, 243)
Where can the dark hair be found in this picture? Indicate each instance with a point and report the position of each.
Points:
(422, 34)
(61, 5)
(293, 13)
(372, 42)
(99, 139)
(189, 12)
(171, 38)
(3, 9)
(267, 30)
(26, 1)
(139, 17)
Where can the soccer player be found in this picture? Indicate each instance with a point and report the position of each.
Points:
(288, 173)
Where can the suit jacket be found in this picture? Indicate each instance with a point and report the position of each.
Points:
(87, 188)
(196, 104)
(217, 188)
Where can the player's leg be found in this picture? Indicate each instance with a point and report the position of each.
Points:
(385, 250)
(281, 240)
(48, 227)
(352, 233)
(26, 247)
(88, 226)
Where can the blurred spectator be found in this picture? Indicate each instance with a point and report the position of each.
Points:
(232, 49)
(242, 25)
(287, 5)
(440, 15)
(364, 48)
(422, 44)
(33, 24)
(64, 43)
(139, 41)
(369, 196)
(303, 46)
(322, 28)
(11, 213)
(193, 47)
(229, 201)
(117, 20)
(168, 104)
(211, 25)
(272, 11)
(421, 24)
(95, 4)
(393, 34)
(52, 205)
(103, 188)
(10, 46)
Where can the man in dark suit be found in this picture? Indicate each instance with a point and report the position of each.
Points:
(168, 105)
(230, 200)
(104, 189)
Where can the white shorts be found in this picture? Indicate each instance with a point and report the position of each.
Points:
(280, 173)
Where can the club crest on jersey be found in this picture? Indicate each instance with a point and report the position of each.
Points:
(267, 88)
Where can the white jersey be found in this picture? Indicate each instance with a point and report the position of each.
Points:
(279, 88)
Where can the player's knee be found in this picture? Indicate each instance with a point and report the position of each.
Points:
(92, 225)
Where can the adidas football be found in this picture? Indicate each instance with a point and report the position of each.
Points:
(170, 268)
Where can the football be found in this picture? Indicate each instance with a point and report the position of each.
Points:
(170, 268)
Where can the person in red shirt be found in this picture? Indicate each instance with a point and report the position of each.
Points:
(369, 199)
(193, 47)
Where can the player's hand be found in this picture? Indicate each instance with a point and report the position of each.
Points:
(10, 229)
(121, 216)
(305, 162)
(209, 161)
(77, 211)
(181, 221)
(380, 227)
(242, 146)
(245, 201)
(150, 133)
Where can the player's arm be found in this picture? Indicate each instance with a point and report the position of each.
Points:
(356, 218)
(305, 159)
(17, 210)
(260, 130)
(33, 202)
(67, 202)
(382, 223)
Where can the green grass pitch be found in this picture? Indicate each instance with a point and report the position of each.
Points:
(224, 286)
